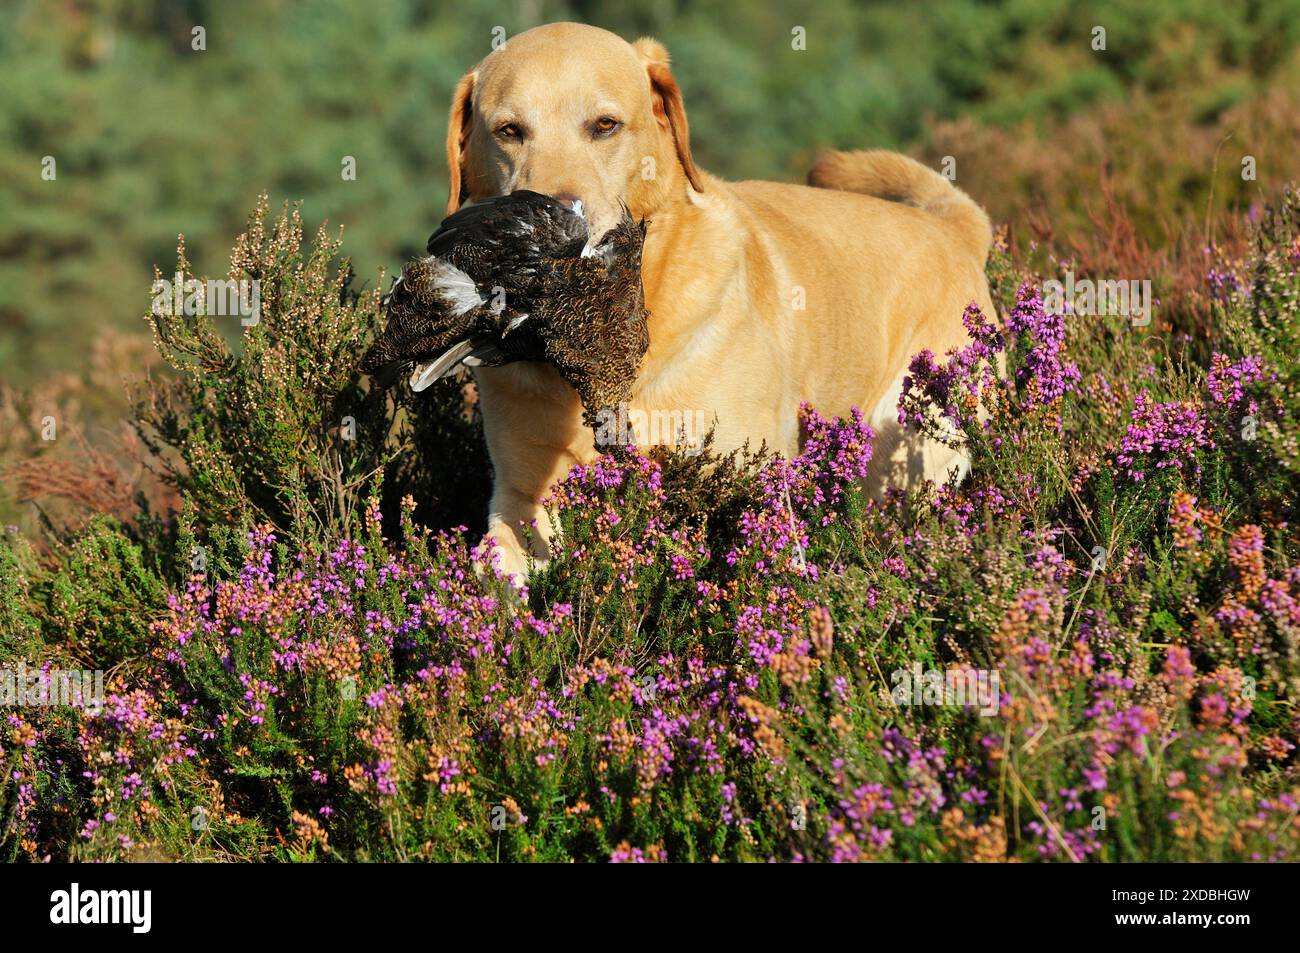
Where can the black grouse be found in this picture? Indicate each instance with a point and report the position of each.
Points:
(516, 278)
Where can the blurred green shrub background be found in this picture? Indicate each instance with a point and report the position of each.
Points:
(152, 138)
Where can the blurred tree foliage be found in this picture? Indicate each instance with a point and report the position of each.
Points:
(151, 137)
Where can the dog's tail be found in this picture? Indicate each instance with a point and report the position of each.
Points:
(895, 177)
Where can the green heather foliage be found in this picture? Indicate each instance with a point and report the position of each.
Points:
(99, 595)
(281, 429)
(313, 662)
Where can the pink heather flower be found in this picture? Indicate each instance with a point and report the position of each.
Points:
(929, 384)
(1222, 284)
(1162, 436)
(1044, 376)
(1179, 672)
(1227, 381)
(625, 854)
(809, 487)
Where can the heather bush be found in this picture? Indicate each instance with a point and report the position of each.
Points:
(314, 661)
(100, 596)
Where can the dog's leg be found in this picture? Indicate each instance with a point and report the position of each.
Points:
(509, 513)
(904, 458)
(533, 427)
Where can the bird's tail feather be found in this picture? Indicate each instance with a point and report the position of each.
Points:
(426, 372)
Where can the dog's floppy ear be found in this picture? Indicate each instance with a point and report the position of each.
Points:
(667, 99)
(459, 127)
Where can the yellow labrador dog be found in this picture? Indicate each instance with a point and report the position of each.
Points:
(761, 295)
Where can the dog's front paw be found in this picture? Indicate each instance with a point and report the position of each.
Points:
(503, 562)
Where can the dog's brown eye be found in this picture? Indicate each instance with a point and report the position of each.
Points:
(605, 126)
(510, 131)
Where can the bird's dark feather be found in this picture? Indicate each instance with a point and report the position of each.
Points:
(583, 314)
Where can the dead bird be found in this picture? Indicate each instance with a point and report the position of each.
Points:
(594, 325)
(515, 278)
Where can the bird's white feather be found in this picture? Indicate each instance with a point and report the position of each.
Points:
(456, 286)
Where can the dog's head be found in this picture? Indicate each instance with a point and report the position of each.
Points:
(577, 113)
